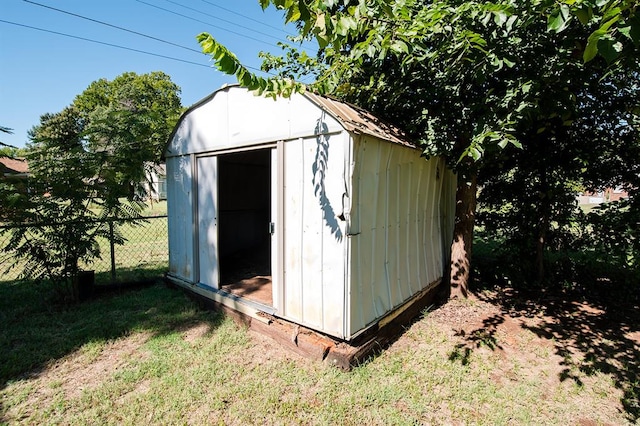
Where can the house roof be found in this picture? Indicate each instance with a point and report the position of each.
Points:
(13, 166)
(352, 118)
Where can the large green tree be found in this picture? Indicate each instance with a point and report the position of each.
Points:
(466, 79)
(127, 122)
(85, 162)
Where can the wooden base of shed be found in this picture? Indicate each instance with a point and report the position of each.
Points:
(320, 347)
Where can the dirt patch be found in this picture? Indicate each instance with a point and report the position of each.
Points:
(195, 332)
(79, 371)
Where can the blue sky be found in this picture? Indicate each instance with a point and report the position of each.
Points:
(42, 72)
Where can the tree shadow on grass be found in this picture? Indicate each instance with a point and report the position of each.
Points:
(591, 332)
(482, 336)
(592, 338)
(35, 331)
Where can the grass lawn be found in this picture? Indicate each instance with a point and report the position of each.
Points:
(151, 356)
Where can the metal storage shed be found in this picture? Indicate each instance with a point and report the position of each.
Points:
(306, 209)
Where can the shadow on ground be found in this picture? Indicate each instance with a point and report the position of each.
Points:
(591, 333)
(36, 330)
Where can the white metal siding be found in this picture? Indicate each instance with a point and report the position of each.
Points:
(359, 220)
(207, 172)
(235, 117)
(396, 226)
(180, 217)
(314, 235)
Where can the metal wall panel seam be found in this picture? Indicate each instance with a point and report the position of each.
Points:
(386, 226)
(440, 194)
(349, 176)
(194, 218)
(301, 261)
(358, 297)
(425, 243)
(414, 234)
(375, 261)
(374, 278)
(280, 173)
(433, 216)
(428, 226)
(408, 221)
(398, 226)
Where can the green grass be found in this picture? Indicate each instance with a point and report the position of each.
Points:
(153, 357)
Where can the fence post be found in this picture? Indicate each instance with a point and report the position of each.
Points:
(113, 253)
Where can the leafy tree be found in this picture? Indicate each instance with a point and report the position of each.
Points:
(84, 162)
(128, 121)
(7, 150)
(529, 198)
(466, 79)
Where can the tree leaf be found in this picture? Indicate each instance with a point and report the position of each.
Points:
(609, 49)
(591, 50)
(559, 19)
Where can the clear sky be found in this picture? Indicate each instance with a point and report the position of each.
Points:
(42, 72)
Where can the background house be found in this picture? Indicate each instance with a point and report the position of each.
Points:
(154, 188)
(608, 195)
(11, 167)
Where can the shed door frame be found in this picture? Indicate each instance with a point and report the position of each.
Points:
(277, 214)
(207, 221)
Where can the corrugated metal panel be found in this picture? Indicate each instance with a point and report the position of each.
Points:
(358, 120)
(180, 212)
(397, 242)
(314, 253)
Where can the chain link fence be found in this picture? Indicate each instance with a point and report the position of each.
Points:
(143, 256)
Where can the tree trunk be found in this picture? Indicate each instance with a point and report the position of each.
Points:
(463, 234)
(543, 223)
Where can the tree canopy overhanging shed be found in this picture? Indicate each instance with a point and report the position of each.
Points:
(306, 209)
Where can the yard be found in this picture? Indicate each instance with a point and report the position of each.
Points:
(145, 253)
(153, 356)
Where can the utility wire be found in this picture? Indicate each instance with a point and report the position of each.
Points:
(224, 20)
(105, 43)
(112, 26)
(121, 29)
(8, 145)
(302, 42)
(206, 23)
(246, 17)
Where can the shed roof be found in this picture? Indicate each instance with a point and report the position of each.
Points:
(13, 166)
(352, 118)
(359, 120)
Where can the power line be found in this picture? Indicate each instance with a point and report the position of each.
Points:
(224, 20)
(302, 42)
(121, 29)
(206, 23)
(104, 43)
(246, 17)
(112, 26)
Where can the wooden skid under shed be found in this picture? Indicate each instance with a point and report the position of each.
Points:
(320, 347)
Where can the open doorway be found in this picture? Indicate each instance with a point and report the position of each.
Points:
(244, 217)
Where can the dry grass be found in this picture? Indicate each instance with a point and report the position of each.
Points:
(466, 362)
